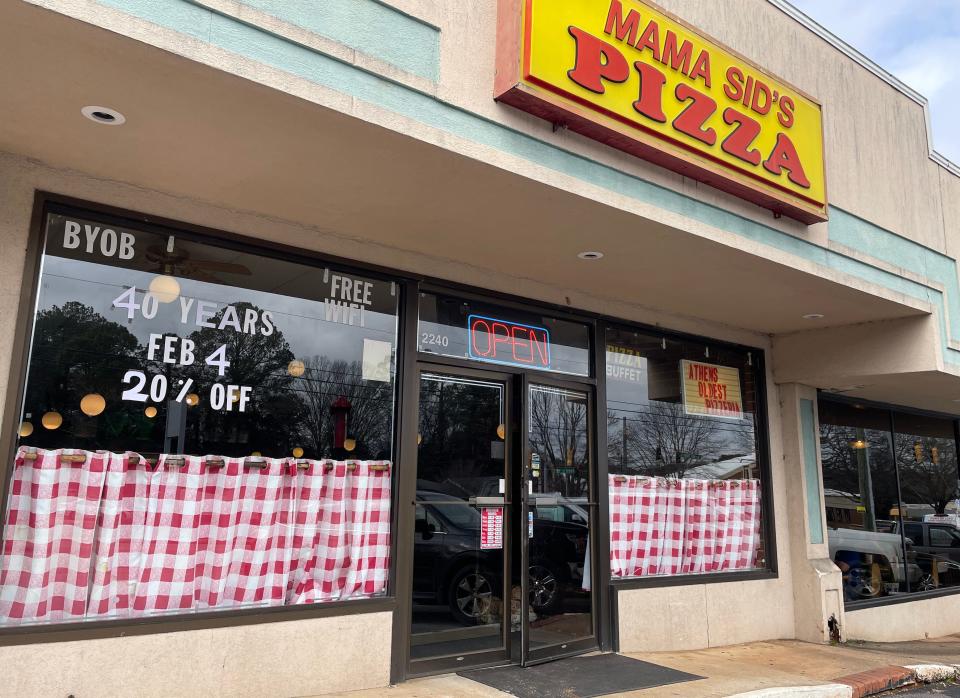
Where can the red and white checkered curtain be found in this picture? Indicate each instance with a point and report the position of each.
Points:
(113, 536)
(48, 536)
(665, 526)
(119, 551)
(349, 556)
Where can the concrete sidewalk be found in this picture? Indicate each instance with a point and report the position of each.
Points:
(758, 666)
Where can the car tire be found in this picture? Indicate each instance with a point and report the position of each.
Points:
(471, 596)
(546, 589)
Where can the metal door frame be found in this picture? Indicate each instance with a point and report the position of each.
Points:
(455, 661)
(580, 645)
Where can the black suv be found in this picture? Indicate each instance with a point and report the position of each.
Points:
(450, 568)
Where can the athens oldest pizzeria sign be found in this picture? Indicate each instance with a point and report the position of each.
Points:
(626, 73)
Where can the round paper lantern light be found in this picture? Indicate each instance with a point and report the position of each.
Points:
(92, 404)
(151, 412)
(296, 368)
(26, 428)
(349, 444)
(193, 399)
(165, 288)
(51, 420)
(298, 452)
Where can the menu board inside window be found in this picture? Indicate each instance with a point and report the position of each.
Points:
(155, 341)
(487, 333)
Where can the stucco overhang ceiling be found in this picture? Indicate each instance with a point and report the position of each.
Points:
(204, 134)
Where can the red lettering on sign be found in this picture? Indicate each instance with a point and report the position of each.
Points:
(784, 157)
(650, 103)
(691, 120)
(623, 29)
(742, 137)
(507, 342)
(596, 61)
(480, 327)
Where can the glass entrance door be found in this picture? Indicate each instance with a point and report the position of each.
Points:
(503, 487)
(459, 614)
(560, 509)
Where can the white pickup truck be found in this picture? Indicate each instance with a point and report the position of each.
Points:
(875, 562)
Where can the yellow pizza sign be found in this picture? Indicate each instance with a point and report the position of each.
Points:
(710, 390)
(628, 74)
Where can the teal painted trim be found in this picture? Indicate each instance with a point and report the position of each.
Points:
(365, 25)
(898, 251)
(368, 26)
(257, 44)
(811, 472)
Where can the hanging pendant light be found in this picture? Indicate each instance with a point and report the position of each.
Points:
(298, 452)
(151, 411)
(349, 444)
(92, 404)
(296, 368)
(51, 420)
(165, 288)
(26, 428)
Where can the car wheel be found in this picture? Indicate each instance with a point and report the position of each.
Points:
(862, 585)
(472, 596)
(545, 589)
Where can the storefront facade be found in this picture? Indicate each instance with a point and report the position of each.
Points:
(407, 355)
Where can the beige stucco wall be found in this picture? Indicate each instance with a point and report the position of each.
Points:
(295, 658)
(913, 620)
(690, 617)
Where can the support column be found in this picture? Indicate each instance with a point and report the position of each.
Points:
(817, 582)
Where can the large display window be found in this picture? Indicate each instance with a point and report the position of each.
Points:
(203, 427)
(890, 483)
(685, 481)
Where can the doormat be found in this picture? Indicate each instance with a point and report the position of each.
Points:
(578, 677)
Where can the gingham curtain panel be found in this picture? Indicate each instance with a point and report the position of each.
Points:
(665, 526)
(48, 537)
(350, 553)
(107, 535)
(119, 543)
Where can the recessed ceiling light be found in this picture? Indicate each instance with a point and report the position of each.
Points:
(590, 255)
(813, 316)
(104, 115)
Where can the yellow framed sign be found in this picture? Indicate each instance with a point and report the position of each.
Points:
(710, 390)
(630, 75)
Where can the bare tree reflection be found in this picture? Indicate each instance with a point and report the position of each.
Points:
(928, 470)
(558, 434)
(369, 408)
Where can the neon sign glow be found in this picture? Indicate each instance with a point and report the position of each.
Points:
(511, 343)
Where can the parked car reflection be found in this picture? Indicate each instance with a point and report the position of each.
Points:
(451, 570)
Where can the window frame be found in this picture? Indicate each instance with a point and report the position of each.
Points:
(46, 203)
(892, 411)
(762, 432)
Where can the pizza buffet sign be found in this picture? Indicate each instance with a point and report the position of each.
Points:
(628, 74)
(710, 390)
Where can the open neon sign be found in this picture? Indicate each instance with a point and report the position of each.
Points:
(511, 343)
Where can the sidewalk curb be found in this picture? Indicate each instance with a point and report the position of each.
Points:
(828, 690)
(867, 683)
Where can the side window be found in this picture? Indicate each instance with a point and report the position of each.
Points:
(942, 537)
(425, 521)
(914, 532)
